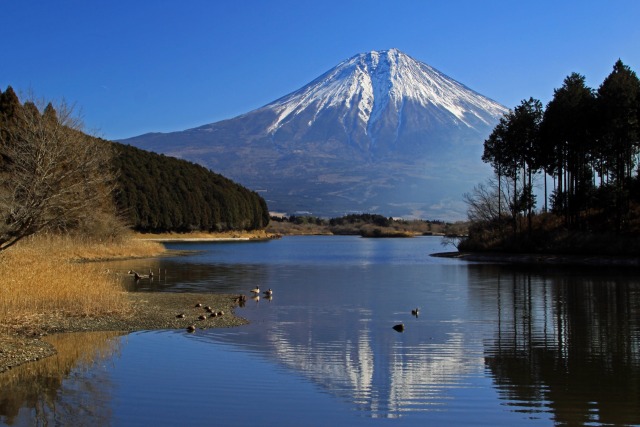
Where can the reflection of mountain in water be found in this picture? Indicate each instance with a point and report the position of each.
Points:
(569, 346)
(415, 376)
(571, 342)
(340, 340)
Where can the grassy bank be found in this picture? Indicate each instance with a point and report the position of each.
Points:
(43, 275)
(242, 234)
(48, 287)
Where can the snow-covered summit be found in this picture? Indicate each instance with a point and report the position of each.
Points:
(374, 82)
(378, 133)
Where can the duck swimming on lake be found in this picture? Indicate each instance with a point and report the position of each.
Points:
(256, 290)
(415, 312)
(268, 293)
(138, 276)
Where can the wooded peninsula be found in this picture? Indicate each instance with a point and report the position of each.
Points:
(582, 150)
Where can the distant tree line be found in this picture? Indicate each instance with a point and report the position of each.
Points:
(586, 141)
(159, 193)
(363, 218)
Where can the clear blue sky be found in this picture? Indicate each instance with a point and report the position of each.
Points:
(156, 66)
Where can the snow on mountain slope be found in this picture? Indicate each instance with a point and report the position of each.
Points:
(379, 133)
(370, 82)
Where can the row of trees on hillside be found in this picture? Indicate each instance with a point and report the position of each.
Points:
(159, 193)
(587, 141)
(53, 176)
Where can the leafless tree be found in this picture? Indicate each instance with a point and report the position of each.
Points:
(482, 202)
(52, 175)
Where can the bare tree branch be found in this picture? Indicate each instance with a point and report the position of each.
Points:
(54, 176)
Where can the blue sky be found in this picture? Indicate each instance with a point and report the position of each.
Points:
(158, 66)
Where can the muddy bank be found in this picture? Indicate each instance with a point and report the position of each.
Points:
(148, 311)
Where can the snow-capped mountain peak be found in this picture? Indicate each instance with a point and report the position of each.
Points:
(380, 133)
(373, 82)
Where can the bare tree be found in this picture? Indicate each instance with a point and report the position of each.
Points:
(483, 203)
(52, 175)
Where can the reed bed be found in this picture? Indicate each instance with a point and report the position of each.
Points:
(86, 249)
(41, 277)
(237, 234)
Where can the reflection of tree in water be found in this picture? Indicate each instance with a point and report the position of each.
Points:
(35, 393)
(172, 276)
(569, 345)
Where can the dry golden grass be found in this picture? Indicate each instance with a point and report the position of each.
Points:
(42, 277)
(241, 234)
(78, 249)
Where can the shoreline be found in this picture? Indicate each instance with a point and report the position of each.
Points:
(149, 311)
(202, 239)
(208, 237)
(159, 310)
(543, 259)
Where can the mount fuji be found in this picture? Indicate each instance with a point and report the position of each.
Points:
(379, 133)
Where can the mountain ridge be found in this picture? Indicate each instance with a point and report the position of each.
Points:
(356, 138)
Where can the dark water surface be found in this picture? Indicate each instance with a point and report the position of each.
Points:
(492, 345)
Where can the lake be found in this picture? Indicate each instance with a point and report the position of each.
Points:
(491, 345)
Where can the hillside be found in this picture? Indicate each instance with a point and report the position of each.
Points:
(55, 176)
(157, 193)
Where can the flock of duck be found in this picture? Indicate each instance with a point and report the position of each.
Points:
(256, 292)
(210, 313)
(241, 300)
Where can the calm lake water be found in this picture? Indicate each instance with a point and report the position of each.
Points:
(492, 345)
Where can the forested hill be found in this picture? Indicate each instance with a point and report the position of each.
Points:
(159, 193)
(54, 176)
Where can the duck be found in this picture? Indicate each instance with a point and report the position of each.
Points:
(268, 293)
(181, 316)
(191, 328)
(415, 312)
(256, 290)
(139, 276)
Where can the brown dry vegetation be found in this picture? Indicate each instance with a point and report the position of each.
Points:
(238, 234)
(47, 287)
(549, 235)
(42, 276)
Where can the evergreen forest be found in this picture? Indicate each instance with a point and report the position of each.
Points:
(579, 154)
(159, 194)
